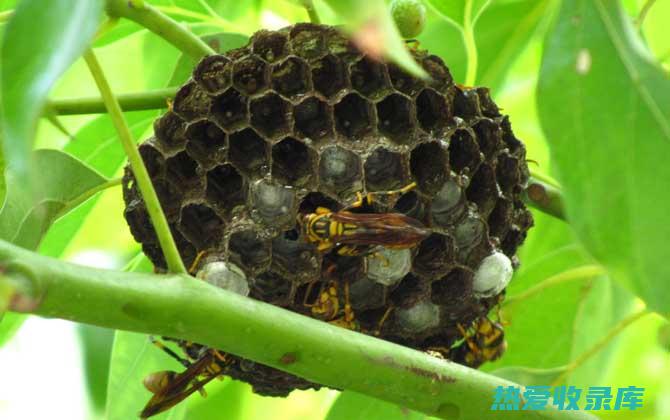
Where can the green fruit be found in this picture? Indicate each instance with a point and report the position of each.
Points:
(409, 16)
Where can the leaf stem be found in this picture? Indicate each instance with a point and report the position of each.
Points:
(180, 306)
(156, 214)
(643, 14)
(582, 358)
(470, 45)
(88, 194)
(311, 11)
(153, 99)
(579, 273)
(545, 197)
(162, 25)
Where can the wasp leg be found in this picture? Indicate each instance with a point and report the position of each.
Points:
(347, 320)
(409, 187)
(468, 338)
(196, 262)
(382, 320)
(169, 351)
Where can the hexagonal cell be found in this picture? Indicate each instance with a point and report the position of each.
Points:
(515, 146)
(153, 159)
(182, 169)
(365, 294)
(492, 275)
(395, 114)
(500, 218)
(139, 222)
(290, 77)
(229, 110)
(249, 251)
(488, 137)
(213, 73)
(191, 102)
(466, 103)
(169, 130)
(368, 78)
(340, 45)
(410, 290)
(340, 170)
(250, 75)
(296, 259)
(464, 155)
(403, 81)
(435, 256)
(247, 151)
(201, 225)
(186, 250)
(225, 275)
(448, 204)
(269, 115)
(469, 233)
(270, 45)
(411, 205)
(329, 75)
(454, 288)
(273, 204)
(483, 189)
(353, 116)
(523, 218)
(388, 266)
(292, 162)
(206, 140)
(439, 74)
(313, 119)
(225, 187)
(429, 164)
(308, 40)
(507, 173)
(488, 107)
(432, 110)
(313, 200)
(169, 196)
(421, 317)
(273, 288)
(384, 170)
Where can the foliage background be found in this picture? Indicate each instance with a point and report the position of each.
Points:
(546, 330)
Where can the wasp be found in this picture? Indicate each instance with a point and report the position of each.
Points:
(485, 343)
(170, 388)
(352, 234)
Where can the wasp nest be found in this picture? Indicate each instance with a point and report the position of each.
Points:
(299, 119)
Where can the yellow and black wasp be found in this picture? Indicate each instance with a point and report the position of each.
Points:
(485, 342)
(352, 234)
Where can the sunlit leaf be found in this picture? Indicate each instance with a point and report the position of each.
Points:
(605, 107)
(64, 181)
(96, 345)
(58, 33)
(352, 405)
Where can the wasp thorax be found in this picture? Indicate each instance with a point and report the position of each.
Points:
(292, 127)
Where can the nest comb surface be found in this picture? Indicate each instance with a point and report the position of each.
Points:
(300, 118)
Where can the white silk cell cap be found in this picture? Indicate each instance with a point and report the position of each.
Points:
(493, 275)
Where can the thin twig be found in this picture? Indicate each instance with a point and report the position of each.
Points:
(172, 257)
(311, 11)
(582, 358)
(545, 197)
(643, 13)
(152, 99)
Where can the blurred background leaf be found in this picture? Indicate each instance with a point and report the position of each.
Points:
(58, 34)
(458, 11)
(605, 106)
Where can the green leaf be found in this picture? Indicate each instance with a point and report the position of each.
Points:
(64, 182)
(96, 345)
(97, 145)
(58, 33)
(371, 20)
(10, 322)
(352, 405)
(605, 106)
(457, 11)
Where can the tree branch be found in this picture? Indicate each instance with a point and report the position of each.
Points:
(160, 24)
(153, 99)
(181, 306)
